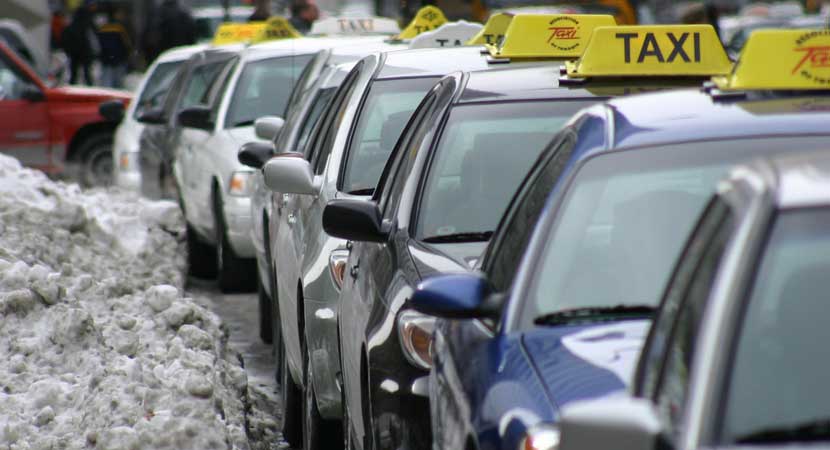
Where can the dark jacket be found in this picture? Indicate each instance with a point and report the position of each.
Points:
(115, 44)
(77, 38)
(171, 26)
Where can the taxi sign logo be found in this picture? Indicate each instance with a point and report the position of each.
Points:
(651, 48)
(352, 25)
(814, 60)
(562, 30)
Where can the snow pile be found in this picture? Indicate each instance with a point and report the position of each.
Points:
(99, 349)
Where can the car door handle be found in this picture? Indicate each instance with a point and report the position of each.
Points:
(291, 218)
(353, 271)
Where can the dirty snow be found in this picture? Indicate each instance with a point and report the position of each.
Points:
(99, 347)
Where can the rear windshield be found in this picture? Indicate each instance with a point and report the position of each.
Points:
(388, 107)
(263, 89)
(156, 87)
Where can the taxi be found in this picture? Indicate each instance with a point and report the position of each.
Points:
(55, 128)
(751, 374)
(151, 92)
(443, 194)
(560, 304)
(344, 158)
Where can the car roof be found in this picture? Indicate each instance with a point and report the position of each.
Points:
(537, 81)
(354, 50)
(299, 46)
(217, 12)
(796, 180)
(432, 62)
(696, 115)
(181, 53)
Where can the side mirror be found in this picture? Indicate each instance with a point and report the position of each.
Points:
(112, 110)
(268, 127)
(290, 173)
(457, 296)
(255, 154)
(611, 423)
(32, 93)
(196, 117)
(355, 220)
(152, 117)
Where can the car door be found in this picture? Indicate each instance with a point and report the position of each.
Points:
(24, 116)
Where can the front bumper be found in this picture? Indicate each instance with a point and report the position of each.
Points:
(401, 412)
(239, 224)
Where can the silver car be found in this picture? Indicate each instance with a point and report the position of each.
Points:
(346, 156)
(214, 187)
(737, 353)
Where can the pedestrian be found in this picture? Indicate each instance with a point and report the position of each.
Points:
(81, 43)
(170, 27)
(262, 11)
(116, 48)
(303, 14)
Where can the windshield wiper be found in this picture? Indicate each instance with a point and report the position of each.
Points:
(363, 191)
(595, 314)
(479, 236)
(818, 430)
(244, 123)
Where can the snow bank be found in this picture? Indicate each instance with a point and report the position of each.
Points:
(98, 348)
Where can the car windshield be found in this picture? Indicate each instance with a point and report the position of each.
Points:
(263, 89)
(386, 110)
(483, 154)
(156, 87)
(624, 219)
(777, 390)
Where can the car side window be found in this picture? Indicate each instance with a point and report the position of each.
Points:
(213, 96)
(684, 305)
(308, 126)
(331, 121)
(410, 141)
(199, 84)
(519, 222)
(12, 84)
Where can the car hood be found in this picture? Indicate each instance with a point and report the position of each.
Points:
(585, 361)
(86, 94)
(443, 258)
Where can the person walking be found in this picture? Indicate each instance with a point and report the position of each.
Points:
(81, 43)
(303, 14)
(170, 27)
(262, 11)
(116, 48)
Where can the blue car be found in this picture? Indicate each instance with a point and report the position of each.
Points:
(563, 296)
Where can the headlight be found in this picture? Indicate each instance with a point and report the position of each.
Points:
(128, 162)
(337, 266)
(415, 333)
(541, 437)
(240, 184)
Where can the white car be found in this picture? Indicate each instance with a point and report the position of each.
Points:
(214, 187)
(150, 94)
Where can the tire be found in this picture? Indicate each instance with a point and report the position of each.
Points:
(291, 405)
(265, 318)
(318, 433)
(94, 155)
(201, 256)
(234, 274)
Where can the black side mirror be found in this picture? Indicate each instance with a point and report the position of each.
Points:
(196, 117)
(32, 93)
(152, 117)
(355, 220)
(255, 154)
(112, 110)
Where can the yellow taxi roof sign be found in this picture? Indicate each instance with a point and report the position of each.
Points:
(781, 59)
(427, 18)
(277, 27)
(652, 50)
(493, 31)
(233, 33)
(548, 35)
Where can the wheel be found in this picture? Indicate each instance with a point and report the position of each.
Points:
(291, 407)
(201, 256)
(265, 318)
(318, 433)
(95, 158)
(234, 274)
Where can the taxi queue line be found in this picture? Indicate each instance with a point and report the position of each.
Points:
(513, 347)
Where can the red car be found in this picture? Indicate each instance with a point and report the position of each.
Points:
(53, 129)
